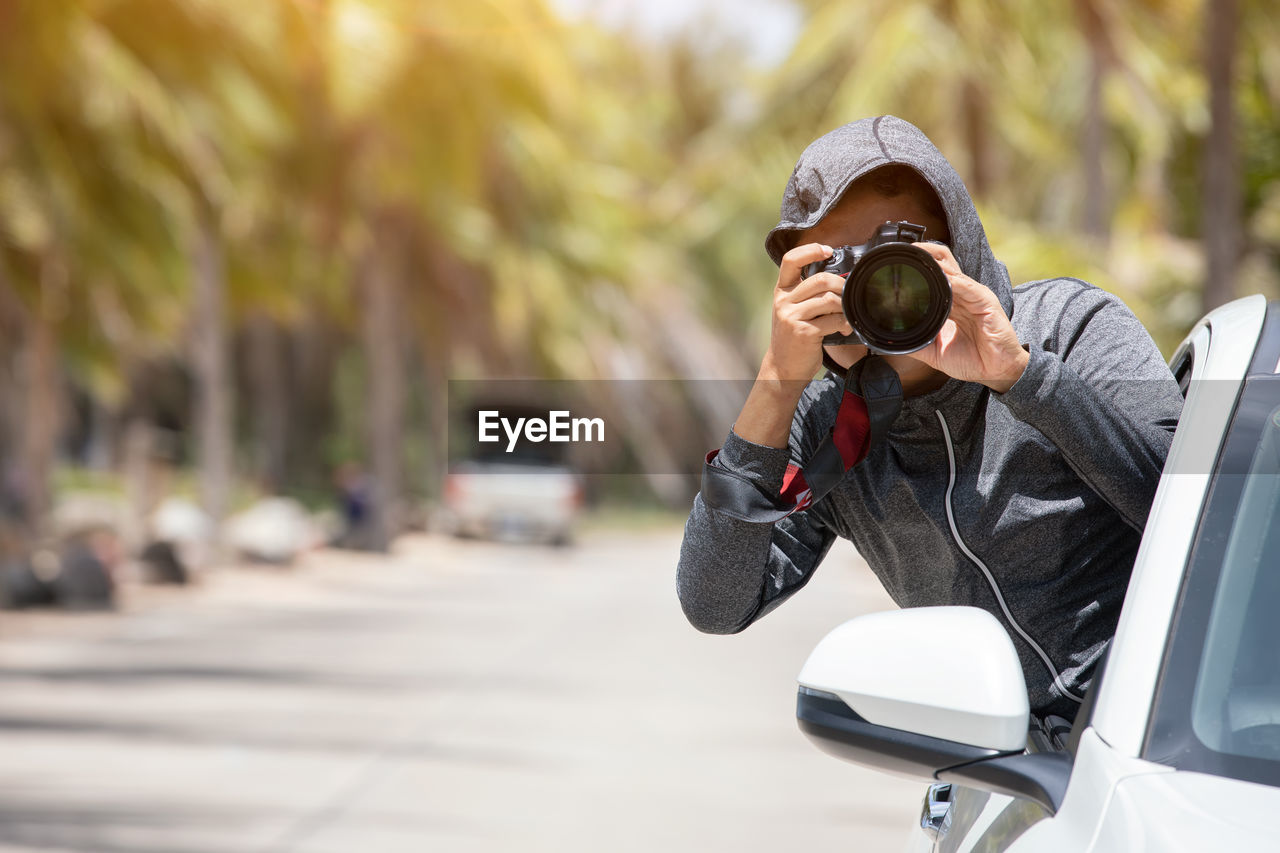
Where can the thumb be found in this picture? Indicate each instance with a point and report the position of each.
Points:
(931, 354)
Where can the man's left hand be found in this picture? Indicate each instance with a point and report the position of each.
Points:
(977, 342)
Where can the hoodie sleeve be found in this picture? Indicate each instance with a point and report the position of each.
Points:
(732, 572)
(1098, 388)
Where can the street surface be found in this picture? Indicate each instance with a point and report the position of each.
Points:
(458, 696)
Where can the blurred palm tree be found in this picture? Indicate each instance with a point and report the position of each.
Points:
(397, 193)
(1082, 121)
(131, 126)
(87, 253)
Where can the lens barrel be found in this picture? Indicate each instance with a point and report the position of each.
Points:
(897, 298)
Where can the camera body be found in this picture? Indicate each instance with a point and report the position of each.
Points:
(896, 297)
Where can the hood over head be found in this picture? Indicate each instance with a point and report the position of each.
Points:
(833, 162)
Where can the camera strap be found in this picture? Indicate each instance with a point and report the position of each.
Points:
(870, 404)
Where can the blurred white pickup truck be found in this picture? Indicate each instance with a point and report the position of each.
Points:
(521, 491)
(525, 500)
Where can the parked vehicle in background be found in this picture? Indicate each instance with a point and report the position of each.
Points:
(528, 494)
(1177, 744)
(273, 530)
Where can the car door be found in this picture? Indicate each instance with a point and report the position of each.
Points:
(959, 819)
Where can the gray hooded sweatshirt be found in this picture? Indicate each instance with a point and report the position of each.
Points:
(1029, 504)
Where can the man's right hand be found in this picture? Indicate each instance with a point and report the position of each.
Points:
(804, 312)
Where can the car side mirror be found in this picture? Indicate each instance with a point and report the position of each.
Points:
(933, 693)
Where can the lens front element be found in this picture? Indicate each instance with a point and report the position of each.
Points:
(897, 298)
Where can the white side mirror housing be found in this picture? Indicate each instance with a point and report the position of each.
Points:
(944, 672)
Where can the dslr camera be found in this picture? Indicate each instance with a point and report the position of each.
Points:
(896, 297)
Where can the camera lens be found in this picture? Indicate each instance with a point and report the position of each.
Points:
(897, 298)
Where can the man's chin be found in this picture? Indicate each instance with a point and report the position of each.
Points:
(911, 369)
(847, 355)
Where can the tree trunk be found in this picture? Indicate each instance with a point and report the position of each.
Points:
(312, 348)
(384, 356)
(139, 483)
(437, 424)
(637, 416)
(1221, 214)
(1095, 191)
(104, 428)
(974, 117)
(41, 422)
(11, 406)
(977, 119)
(268, 379)
(1096, 221)
(214, 426)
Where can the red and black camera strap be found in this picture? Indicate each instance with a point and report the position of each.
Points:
(870, 404)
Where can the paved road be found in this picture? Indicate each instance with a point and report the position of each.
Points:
(455, 697)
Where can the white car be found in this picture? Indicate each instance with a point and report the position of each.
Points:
(524, 500)
(1177, 746)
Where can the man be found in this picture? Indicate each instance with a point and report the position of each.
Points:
(1017, 476)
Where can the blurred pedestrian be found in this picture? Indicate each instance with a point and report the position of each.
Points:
(354, 496)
